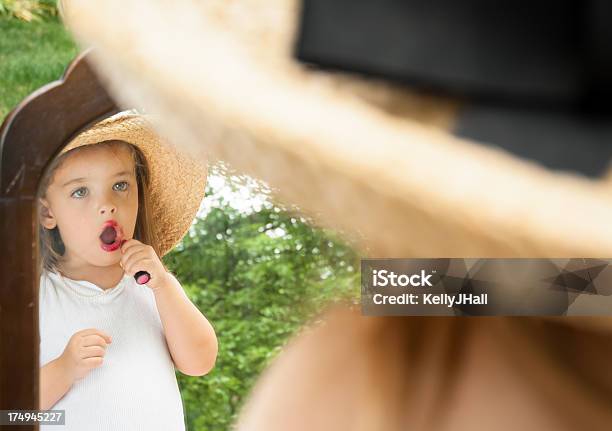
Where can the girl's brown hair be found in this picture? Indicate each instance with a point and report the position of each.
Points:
(51, 245)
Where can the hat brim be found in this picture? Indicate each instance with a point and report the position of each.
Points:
(226, 82)
(177, 181)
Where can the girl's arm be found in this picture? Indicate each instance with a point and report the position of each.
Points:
(190, 337)
(55, 380)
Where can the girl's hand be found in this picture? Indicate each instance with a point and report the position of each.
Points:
(137, 256)
(84, 351)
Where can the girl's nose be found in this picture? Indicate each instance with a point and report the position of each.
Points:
(108, 209)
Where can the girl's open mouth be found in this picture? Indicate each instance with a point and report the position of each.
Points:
(111, 236)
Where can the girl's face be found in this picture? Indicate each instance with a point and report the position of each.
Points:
(93, 187)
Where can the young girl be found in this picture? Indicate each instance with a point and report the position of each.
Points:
(111, 204)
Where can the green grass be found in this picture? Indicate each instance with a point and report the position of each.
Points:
(31, 55)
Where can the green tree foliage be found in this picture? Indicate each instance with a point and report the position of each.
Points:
(257, 275)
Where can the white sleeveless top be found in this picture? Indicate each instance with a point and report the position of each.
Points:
(135, 388)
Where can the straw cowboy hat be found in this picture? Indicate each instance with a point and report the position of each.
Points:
(373, 157)
(176, 180)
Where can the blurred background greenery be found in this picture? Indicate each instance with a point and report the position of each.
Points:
(256, 269)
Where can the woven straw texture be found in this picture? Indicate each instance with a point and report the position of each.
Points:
(177, 180)
(356, 154)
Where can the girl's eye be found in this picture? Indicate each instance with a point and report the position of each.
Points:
(123, 185)
(81, 192)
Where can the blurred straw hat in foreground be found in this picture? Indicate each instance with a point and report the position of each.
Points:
(369, 156)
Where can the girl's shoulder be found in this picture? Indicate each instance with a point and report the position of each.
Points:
(47, 277)
(45, 282)
(44, 285)
(48, 281)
